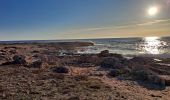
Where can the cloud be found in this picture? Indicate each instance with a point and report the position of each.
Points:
(153, 22)
(129, 25)
(133, 24)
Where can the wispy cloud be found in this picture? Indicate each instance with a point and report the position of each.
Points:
(153, 22)
(129, 25)
(126, 26)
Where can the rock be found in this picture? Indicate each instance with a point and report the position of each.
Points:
(13, 51)
(119, 56)
(35, 51)
(104, 53)
(141, 74)
(87, 65)
(2, 51)
(166, 78)
(126, 70)
(36, 64)
(93, 59)
(11, 47)
(19, 59)
(167, 82)
(7, 63)
(111, 62)
(142, 60)
(114, 72)
(74, 98)
(61, 70)
(156, 80)
(2, 57)
(118, 72)
(81, 78)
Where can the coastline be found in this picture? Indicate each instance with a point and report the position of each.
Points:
(39, 70)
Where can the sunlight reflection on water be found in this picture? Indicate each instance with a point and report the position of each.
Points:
(152, 45)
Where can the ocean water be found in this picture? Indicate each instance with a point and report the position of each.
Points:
(131, 46)
(126, 46)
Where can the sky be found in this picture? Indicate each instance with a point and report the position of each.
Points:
(81, 19)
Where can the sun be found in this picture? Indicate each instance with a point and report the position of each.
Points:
(152, 11)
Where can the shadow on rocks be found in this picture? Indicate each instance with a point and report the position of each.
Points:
(61, 69)
(17, 59)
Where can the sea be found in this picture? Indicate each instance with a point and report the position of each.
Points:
(148, 46)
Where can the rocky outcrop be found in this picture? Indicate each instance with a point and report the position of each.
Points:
(19, 59)
(142, 60)
(36, 64)
(119, 72)
(61, 69)
(104, 53)
(111, 62)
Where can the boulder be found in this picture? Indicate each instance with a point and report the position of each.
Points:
(126, 70)
(93, 59)
(166, 78)
(110, 62)
(118, 72)
(19, 59)
(142, 74)
(156, 80)
(114, 72)
(61, 69)
(142, 60)
(104, 53)
(36, 64)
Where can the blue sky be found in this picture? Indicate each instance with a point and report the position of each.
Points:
(69, 19)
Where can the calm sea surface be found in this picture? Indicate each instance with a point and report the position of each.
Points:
(126, 46)
(131, 46)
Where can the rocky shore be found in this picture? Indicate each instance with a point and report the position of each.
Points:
(47, 71)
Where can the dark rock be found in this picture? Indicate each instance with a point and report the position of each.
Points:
(10, 47)
(167, 82)
(114, 72)
(7, 63)
(35, 51)
(2, 57)
(104, 53)
(119, 56)
(166, 78)
(81, 78)
(13, 51)
(2, 54)
(142, 74)
(74, 98)
(36, 64)
(95, 86)
(156, 80)
(36, 56)
(118, 72)
(2, 51)
(93, 59)
(87, 65)
(61, 70)
(111, 62)
(142, 60)
(126, 70)
(19, 59)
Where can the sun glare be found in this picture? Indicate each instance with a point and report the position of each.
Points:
(152, 45)
(152, 11)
